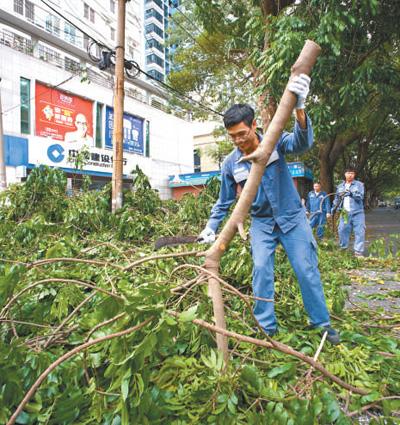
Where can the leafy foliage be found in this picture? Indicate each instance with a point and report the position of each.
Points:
(167, 372)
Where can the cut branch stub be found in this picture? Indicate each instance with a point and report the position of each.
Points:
(303, 65)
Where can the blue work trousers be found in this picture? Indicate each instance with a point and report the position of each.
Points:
(355, 223)
(318, 220)
(300, 247)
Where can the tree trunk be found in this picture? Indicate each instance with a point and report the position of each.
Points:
(260, 157)
(326, 170)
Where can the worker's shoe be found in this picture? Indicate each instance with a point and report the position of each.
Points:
(269, 332)
(359, 254)
(332, 335)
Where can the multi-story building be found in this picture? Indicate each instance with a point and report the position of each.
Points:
(157, 15)
(55, 99)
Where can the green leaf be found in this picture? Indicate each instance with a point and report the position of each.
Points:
(188, 315)
(125, 388)
(249, 374)
(280, 370)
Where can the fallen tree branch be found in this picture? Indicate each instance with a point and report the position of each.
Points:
(279, 347)
(57, 280)
(20, 322)
(72, 260)
(162, 256)
(65, 357)
(68, 318)
(372, 405)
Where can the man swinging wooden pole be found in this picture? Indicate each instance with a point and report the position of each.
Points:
(277, 215)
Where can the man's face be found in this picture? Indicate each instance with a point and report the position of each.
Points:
(81, 125)
(244, 137)
(349, 176)
(317, 187)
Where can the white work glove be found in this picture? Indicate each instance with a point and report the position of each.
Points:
(328, 215)
(206, 236)
(300, 86)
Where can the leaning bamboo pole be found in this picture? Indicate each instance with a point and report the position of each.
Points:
(259, 158)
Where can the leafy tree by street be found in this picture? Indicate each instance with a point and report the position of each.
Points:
(355, 83)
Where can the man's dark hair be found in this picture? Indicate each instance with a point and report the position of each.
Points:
(350, 169)
(238, 113)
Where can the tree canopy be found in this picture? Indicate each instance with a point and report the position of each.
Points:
(242, 51)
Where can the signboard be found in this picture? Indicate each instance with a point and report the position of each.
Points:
(63, 117)
(60, 154)
(191, 179)
(133, 132)
(296, 169)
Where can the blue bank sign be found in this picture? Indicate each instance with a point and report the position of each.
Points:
(133, 132)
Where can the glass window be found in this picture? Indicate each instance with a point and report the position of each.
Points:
(154, 59)
(85, 11)
(157, 75)
(19, 6)
(152, 13)
(153, 43)
(25, 101)
(112, 33)
(154, 28)
(69, 32)
(112, 6)
(29, 10)
(92, 15)
(99, 125)
(147, 151)
(196, 161)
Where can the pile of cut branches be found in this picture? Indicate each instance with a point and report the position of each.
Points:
(97, 328)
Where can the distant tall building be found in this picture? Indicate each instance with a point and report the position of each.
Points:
(157, 21)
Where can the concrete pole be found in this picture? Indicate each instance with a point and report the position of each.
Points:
(3, 177)
(118, 133)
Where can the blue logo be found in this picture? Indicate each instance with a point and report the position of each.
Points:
(55, 153)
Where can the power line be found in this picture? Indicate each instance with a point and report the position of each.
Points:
(51, 87)
(170, 88)
(73, 24)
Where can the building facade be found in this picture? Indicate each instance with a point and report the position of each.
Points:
(56, 101)
(157, 14)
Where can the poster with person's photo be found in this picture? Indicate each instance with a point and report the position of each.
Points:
(63, 116)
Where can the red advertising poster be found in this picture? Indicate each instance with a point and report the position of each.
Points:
(63, 116)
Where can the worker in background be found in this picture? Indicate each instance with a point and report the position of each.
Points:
(318, 209)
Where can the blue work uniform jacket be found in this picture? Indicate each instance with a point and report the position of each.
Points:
(277, 200)
(313, 203)
(356, 193)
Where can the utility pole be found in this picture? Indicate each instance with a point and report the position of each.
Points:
(118, 132)
(3, 177)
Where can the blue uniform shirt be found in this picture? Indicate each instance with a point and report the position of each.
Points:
(356, 194)
(277, 200)
(313, 203)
